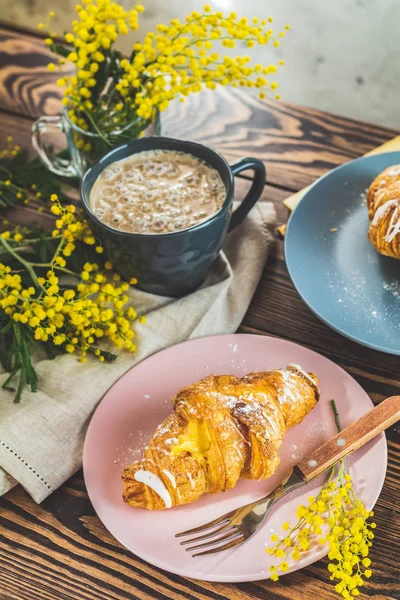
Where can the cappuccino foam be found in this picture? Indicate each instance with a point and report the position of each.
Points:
(157, 191)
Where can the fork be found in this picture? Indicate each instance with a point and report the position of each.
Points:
(237, 526)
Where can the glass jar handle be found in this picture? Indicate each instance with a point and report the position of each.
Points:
(57, 165)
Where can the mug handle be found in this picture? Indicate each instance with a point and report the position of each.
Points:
(57, 165)
(254, 192)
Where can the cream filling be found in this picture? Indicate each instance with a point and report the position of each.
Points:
(155, 483)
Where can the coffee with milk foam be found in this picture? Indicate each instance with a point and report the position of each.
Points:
(157, 191)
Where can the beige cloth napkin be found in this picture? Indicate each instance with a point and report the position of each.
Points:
(41, 438)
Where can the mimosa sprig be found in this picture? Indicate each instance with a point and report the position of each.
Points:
(338, 519)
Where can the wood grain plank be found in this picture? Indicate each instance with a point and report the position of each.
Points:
(26, 85)
(297, 144)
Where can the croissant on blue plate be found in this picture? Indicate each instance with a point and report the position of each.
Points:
(383, 199)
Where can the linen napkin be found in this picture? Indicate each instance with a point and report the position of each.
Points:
(41, 438)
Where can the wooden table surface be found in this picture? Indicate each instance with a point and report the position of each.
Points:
(60, 549)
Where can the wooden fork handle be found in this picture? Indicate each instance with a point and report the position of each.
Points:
(353, 437)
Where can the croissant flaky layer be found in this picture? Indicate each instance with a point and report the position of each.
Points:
(224, 428)
(383, 199)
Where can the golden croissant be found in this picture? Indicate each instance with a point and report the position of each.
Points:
(383, 199)
(224, 428)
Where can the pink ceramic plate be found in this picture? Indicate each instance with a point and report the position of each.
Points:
(131, 410)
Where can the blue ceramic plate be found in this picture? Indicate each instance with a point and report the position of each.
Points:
(340, 275)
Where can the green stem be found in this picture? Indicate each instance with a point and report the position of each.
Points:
(6, 171)
(5, 385)
(187, 25)
(336, 415)
(55, 267)
(110, 97)
(27, 265)
(59, 248)
(36, 240)
(10, 186)
(88, 113)
(64, 270)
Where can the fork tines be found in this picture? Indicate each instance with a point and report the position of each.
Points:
(222, 532)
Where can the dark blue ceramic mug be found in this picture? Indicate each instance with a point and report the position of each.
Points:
(173, 264)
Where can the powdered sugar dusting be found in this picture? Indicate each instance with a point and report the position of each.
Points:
(236, 365)
(318, 427)
(162, 430)
(363, 197)
(393, 288)
(369, 308)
